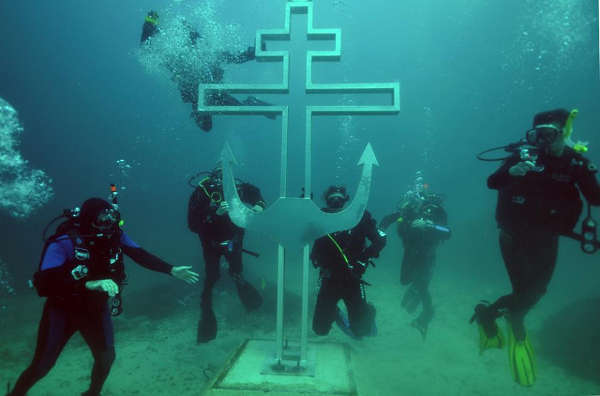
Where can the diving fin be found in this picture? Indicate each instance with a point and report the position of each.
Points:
(343, 323)
(249, 296)
(207, 327)
(421, 326)
(490, 335)
(203, 120)
(341, 320)
(521, 359)
(411, 300)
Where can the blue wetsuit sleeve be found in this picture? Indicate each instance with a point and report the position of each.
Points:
(501, 178)
(57, 253)
(126, 241)
(54, 277)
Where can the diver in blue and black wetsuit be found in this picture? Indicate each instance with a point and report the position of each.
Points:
(81, 268)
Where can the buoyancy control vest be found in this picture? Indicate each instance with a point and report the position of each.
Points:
(92, 259)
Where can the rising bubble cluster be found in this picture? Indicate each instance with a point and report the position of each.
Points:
(22, 189)
(6, 282)
(553, 33)
(172, 55)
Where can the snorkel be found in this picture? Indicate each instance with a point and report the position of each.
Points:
(579, 146)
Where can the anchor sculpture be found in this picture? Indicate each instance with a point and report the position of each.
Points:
(294, 223)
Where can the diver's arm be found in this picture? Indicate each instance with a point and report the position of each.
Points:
(196, 209)
(502, 177)
(143, 257)
(153, 263)
(588, 184)
(377, 238)
(388, 220)
(315, 252)
(252, 196)
(54, 278)
(443, 231)
(404, 221)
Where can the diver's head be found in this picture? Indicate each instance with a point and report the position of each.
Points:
(216, 174)
(98, 217)
(152, 17)
(550, 130)
(335, 197)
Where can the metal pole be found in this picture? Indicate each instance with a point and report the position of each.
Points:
(280, 287)
(304, 323)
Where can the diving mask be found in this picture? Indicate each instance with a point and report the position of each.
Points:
(107, 221)
(543, 135)
(336, 199)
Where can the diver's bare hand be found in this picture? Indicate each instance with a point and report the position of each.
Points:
(223, 208)
(521, 168)
(420, 223)
(105, 285)
(183, 272)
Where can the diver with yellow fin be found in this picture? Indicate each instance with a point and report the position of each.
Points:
(539, 186)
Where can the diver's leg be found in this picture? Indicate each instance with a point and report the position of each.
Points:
(254, 101)
(98, 333)
(211, 255)
(361, 314)
(326, 306)
(530, 259)
(249, 296)
(223, 98)
(207, 327)
(54, 331)
(411, 299)
(202, 119)
(188, 88)
(421, 284)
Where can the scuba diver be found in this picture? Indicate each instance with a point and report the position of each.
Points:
(342, 258)
(539, 187)
(188, 78)
(208, 217)
(81, 274)
(421, 224)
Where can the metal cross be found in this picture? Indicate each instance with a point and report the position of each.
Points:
(295, 222)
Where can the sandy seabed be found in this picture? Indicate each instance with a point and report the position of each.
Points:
(157, 352)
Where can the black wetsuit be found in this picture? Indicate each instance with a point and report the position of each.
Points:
(149, 29)
(218, 235)
(420, 246)
(70, 307)
(342, 258)
(532, 211)
(188, 81)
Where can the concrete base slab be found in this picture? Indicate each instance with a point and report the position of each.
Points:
(245, 373)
